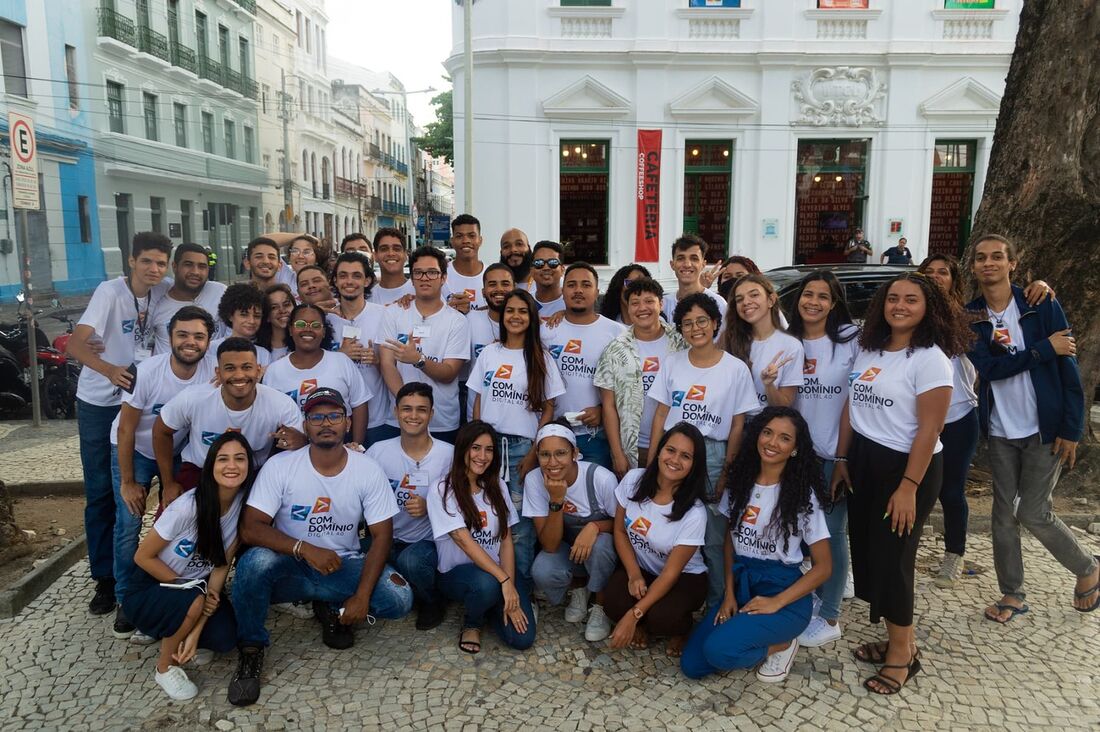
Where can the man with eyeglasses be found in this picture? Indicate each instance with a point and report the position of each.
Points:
(462, 291)
(239, 404)
(576, 345)
(427, 342)
(390, 253)
(302, 524)
(546, 268)
(515, 253)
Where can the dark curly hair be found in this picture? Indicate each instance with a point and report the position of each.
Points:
(801, 476)
(943, 323)
(697, 300)
(612, 305)
(239, 297)
(265, 334)
(327, 340)
(952, 264)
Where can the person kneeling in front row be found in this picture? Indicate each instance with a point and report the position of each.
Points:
(571, 503)
(174, 592)
(775, 490)
(472, 518)
(302, 522)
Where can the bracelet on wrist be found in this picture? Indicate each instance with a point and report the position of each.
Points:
(506, 578)
(840, 459)
(906, 477)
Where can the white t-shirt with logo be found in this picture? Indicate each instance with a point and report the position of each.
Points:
(754, 536)
(263, 356)
(446, 517)
(1015, 413)
(483, 331)
(500, 377)
(761, 354)
(824, 388)
(440, 336)
(884, 390)
(536, 500)
(668, 304)
(577, 350)
(469, 286)
(963, 396)
(652, 354)
(409, 478)
(178, 526)
(209, 297)
(201, 410)
(333, 371)
(369, 323)
(114, 318)
(653, 535)
(551, 308)
(320, 510)
(707, 398)
(287, 276)
(386, 295)
(155, 387)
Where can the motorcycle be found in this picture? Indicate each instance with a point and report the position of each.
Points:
(57, 374)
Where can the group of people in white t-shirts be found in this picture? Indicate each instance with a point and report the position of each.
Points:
(691, 465)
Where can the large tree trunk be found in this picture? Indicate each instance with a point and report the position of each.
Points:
(1043, 186)
(9, 532)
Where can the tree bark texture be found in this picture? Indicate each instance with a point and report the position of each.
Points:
(1042, 188)
(9, 532)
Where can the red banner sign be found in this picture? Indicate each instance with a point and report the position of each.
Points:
(647, 242)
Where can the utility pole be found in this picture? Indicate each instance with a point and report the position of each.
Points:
(284, 112)
(468, 105)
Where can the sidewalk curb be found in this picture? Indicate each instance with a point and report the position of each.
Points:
(23, 592)
(40, 489)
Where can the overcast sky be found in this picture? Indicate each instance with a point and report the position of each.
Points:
(410, 39)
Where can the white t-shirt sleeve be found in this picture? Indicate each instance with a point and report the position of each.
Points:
(379, 502)
(444, 516)
(813, 527)
(458, 340)
(555, 385)
(606, 485)
(289, 413)
(743, 389)
(98, 313)
(933, 370)
(791, 373)
(142, 396)
(173, 521)
(659, 390)
(693, 527)
(179, 411)
(267, 492)
(476, 383)
(536, 501)
(359, 392)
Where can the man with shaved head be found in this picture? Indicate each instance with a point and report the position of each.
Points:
(515, 251)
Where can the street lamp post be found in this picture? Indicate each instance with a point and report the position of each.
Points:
(467, 104)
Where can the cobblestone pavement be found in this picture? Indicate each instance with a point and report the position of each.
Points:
(49, 454)
(61, 669)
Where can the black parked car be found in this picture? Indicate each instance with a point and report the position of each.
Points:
(860, 282)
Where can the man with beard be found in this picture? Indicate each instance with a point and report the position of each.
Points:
(191, 270)
(547, 266)
(485, 322)
(515, 251)
(239, 404)
(357, 328)
(302, 524)
(462, 288)
(133, 462)
(389, 252)
(261, 259)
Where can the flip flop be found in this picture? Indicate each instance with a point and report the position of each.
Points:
(1012, 609)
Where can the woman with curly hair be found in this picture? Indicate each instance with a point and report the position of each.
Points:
(890, 454)
(613, 306)
(774, 495)
(273, 333)
(471, 519)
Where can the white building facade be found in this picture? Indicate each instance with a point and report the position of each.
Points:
(783, 125)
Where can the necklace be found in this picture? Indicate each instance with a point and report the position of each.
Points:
(999, 317)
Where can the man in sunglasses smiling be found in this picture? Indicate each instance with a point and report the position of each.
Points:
(546, 268)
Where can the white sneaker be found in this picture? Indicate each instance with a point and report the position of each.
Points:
(578, 606)
(176, 684)
(298, 610)
(777, 666)
(950, 571)
(202, 657)
(849, 586)
(598, 626)
(140, 639)
(819, 632)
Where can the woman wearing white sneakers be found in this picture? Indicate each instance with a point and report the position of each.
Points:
(572, 503)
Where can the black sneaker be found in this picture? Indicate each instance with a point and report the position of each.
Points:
(334, 634)
(123, 627)
(430, 615)
(103, 601)
(244, 689)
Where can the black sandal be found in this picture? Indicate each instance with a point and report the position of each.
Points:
(469, 646)
(892, 686)
(871, 652)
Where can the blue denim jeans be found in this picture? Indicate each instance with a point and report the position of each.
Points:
(717, 525)
(127, 525)
(553, 571)
(93, 424)
(595, 448)
(523, 533)
(481, 597)
(960, 442)
(264, 577)
(415, 562)
(836, 518)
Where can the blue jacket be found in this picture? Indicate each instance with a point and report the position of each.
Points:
(1057, 380)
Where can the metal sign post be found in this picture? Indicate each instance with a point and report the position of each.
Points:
(24, 187)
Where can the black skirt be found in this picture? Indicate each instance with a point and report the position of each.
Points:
(882, 561)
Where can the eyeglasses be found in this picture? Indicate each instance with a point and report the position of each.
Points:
(701, 322)
(540, 263)
(426, 274)
(296, 252)
(558, 455)
(319, 419)
(312, 325)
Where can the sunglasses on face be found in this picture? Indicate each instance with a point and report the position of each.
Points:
(312, 325)
(540, 263)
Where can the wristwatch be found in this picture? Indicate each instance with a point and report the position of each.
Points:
(556, 506)
(420, 364)
(637, 612)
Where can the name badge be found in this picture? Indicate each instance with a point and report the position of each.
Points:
(418, 478)
(350, 332)
(141, 353)
(422, 331)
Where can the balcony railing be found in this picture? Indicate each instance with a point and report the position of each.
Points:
(374, 152)
(389, 207)
(210, 69)
(231, 79)
(181, 56)
(402, 168)
(388, 160)
(344, 187)
(152, 43)
(249, 5)
(113, 24)
(250, 88)
(373, 203)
